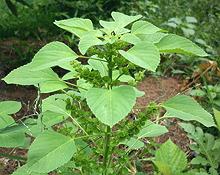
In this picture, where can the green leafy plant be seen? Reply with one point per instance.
(187, 25)
(206, 147)
(209, 93)
(93, 101)
(12, 6)
(170, 159)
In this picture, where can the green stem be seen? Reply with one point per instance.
(71, 84)
(81, 56)
(106, 150)
(87, 136)
(108, 128)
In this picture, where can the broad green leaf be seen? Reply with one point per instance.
(51, 55)
(70, 75)
(152, 38)
(188, 127)
(101, 66)
(9, 107)
(48, 119)
(170, 157)
(55, 103)
(83, 87)
(217, 117)
(24, 171)
(5, 120)
(133, 143)
(51, 118)
(10, 138)
(138, 92)
(52, 86)
(47, 148)
(111, 105)
(25, 76)
(176, 44)
(130, 38)
(77, 26)
(120, 21)
(88, 40)
(152, 130)
(186, 108)
(126, 78)
(68, 66)
(36, 128)
(13, 127)
(144, 27)
(110, 26)
(122, 78)
(123, 20)
(144, 54)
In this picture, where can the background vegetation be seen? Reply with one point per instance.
(27, 25)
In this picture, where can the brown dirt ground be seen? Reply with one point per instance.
(156, 89)
(159, 90)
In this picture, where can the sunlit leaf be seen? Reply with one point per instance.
(51, 55)
(176, 44)
(170, 158)
(130, 38)
(46, 148)
(25, 76)
(120, 21)
(144, 27)
(77, 26)
(101, 66)
(52, 86)
(133, 143)
(186, 108)
(88, 40)
(152, 130)
(144, 54)
(24, 171)
(123, 20)
(9, 107)
(111, 105)
(153, 38)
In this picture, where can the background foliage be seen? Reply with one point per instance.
(30, 23)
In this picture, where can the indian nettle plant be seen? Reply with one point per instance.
(84, 127)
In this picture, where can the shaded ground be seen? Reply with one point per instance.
(156, 89)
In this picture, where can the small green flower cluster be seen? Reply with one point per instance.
(81, 112)
(90, 76)
(129, 128)
(118, 62)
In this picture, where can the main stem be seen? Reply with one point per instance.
(106, 149)
(108, 128)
